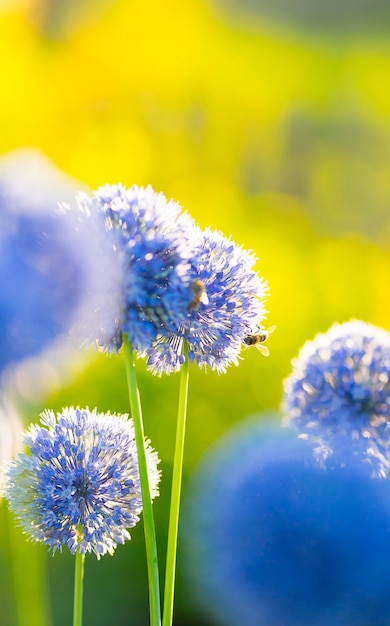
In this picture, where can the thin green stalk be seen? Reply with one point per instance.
(78, 589)
(149, 528)
(170, 568)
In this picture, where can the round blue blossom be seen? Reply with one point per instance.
(338, 395)
(79, 485)
(43, 277)
(149, 240)
(227, 305)
(270, 538)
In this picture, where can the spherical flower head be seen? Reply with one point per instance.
(227, 305)
(270, 538)
(338, 395)
(149, 238)
(79, 485)
(42, 277)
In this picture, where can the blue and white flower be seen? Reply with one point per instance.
(79, 485)
(149, 241)
(217, 320)
(338, 395)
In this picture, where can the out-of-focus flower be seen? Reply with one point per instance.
(219, 318)
(148, 238)
(10, 430)
(33, 180)
(270, 538)
(43, 278)
(338, 395)
(79, 484)
(10, 436)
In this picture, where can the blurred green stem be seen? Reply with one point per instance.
(170, 568)
(149, 528)
(29, 573)
(78, 589)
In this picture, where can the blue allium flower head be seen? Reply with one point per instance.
(79, 485)
(219, 318)
(149, 239)
(338, 395)
(42, 277)
(270, 538)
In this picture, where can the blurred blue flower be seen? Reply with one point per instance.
(42, 277)
(79, 484)
(148, 239)
(338, 395)
(228, 309)
(270, 538)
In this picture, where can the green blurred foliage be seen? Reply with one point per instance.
(274, 136)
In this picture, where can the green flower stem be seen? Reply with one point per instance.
(78, 589)
(170, 569)
(28, 565)
(149, 528)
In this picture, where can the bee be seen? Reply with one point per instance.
(259, 338)
(200, 294)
